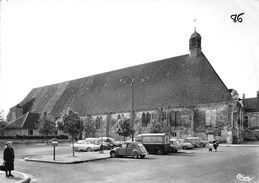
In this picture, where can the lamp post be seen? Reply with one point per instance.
(131, 81)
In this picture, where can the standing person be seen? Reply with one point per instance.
(210, 146)
(215, 145)
(9, 159)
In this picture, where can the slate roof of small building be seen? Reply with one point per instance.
(26, 121)
(250, 105)
(176, 81)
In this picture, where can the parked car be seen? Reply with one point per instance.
(134, 149)
(110, 143)
(93, 140)
(196, 141)
(185, 144)
(175, 145)
(83, 145)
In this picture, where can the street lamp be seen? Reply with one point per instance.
(131, 80)
(124, 79)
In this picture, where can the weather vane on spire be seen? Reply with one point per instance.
(194, 22)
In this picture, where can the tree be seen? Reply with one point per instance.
(123, 127)
(158, 127)
(71, 123)
(89, 126)
(2, 123)
(46, 125)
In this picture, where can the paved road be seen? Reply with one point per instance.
(187, 166)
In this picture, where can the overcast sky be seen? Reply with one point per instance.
(49, 41)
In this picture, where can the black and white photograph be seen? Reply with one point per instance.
(123, 91)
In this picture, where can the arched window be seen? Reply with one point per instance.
(148, 118)
(208, 118)
(98, 122)
(143, 119)
(213, 117)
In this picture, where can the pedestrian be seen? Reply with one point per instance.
(215, 145)
(9, 159)
(209, 145)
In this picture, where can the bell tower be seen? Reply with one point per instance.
(195, 44)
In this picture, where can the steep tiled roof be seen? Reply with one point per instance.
(26, 121)
(181, 80)
(250, 105)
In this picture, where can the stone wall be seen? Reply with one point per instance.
(213, 120)
(221, 121)
(15, 113)
(253, 119)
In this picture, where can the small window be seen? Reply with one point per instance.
(30, 132)
(130, 146)
(123, 146)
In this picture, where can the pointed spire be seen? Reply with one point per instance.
(194, 22)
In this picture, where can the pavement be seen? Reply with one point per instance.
(79, 157)
(243, 144)
(18, 177)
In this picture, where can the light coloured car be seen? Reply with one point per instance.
(185, 144)
(110, 143)
(83, 145)
(175, 145)
(196, 141)
(93, 140)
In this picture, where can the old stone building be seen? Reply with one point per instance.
(251, 106)
(185, 91)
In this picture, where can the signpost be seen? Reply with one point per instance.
(54, 143)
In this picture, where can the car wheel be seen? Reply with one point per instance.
(76, 149)
(142, 156)
(135, 156)
(88, 149)
(113, 155)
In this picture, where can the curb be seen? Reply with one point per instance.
(61, 162)
(238, 145)
(25, 179)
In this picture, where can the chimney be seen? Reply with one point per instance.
(257, 101)
(244, 96)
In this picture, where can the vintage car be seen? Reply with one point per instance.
(175, 145)
(185, 144)
(134, 149)
(196, 141)
(83, 145)
(93, 140)
(110, 143)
